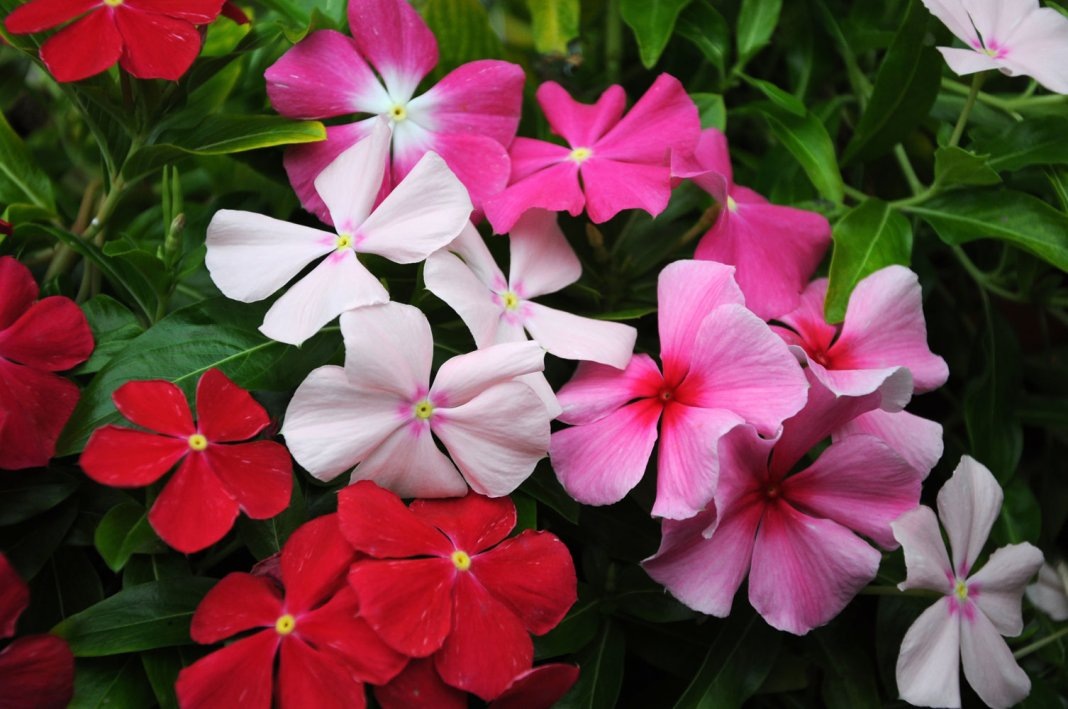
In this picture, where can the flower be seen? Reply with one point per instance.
(37, 338)
(967, 623)
(380, 410)
(1050, 592)
(722, 366)
(217, 476)
(774, 249)
(313, 625)
(149, 39)
(441, 580)
(37, 671)
(6, 229)
(624, 161)
(420, 685)
(251, 256)
(916, 439)
(1013, 36)
(468, 118)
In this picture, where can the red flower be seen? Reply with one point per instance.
(151, 39)
(5, 227)
(436, 587)
(420, 686)
(199, 504)
(235, 13)
(36, 672)
(326, 650)
(36, 339)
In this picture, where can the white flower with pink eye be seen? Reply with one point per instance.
(965, 626)
(1050, 592)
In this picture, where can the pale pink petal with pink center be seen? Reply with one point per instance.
(805, 570)
(479, 162)
(612, 186)
(893, 385)
(466, 376)
(388, 348)
(555, 188)
(450, 279)
(1038, 47)
(954, 15)
(599, 463)
(581, 124)
(471, 247)
(349, 185)
(243, 243)
(303, 163)
(409, 463)
(597, 390)
(1001, 582)
(324, 76)
(663, 119)
(1050, 593)
(996, 20)
(925, 553)
(497, 437)
(709, 166)
(967, 61)
(928, 666)
(916, 439)
(544, 390)
(989, 665)
(688, 458)
(968, 504)
(541, 259)
(573, 337)
(392, 36)
(331, 425)
(482, 98)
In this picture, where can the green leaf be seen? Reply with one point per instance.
(123, 532)
(782, 99)
(1036, 141)
(111, 682)
(602, 672)
(736, 665)
(31, 544)
(20, 178)
(1013, 217)
(628, 314)
(848, 670)
(702, 24)
(994, 432)
(113, 327)
(955, 167)
(1020, 519)
(575, 631)
(265, 537)
(24, 494)
(162, 668)
(807, 140)
(756, 23)
(869, 237)
(652, 22)
(555, 23)
(546, 489)
(144, 617)
(463, 31)
(712, 110)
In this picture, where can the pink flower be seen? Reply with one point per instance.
(469, 117)
(251, 256)
(916, 439)
(380, 410)
(795, 536)
(722, 366)
(624, 161)
(775, 250)
(1013, 36)
(967, 623)
(1050, 593)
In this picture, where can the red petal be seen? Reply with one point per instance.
(52, 335)
(488, 646)
(14, 597)
(45, 14)
(198, 12)
(225, 411)
(473, 523)
(239, 602)
(18, 290)
(408, 603)
(156, 405)
(239, 675)
(313, 679)
(156, 46)
(36, 672)
(533, 575)
(83, 48)
(259, 475)
(34, 408)
(539, 688)
(123, 457)
(420, 686)
(314, 562)
(376, 522)
(194, 510)
(235, 13)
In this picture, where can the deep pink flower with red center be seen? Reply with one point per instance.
(151, 39)
(36, 672)
(37, 339)
(441, 580)
(420, 686)
(325, 650)
(218, 475)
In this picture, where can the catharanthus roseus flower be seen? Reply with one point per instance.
(623, 161)
(439, 579)
(1013, 36)
(313, 625)
(251, 256)
(151, 39)
(1050, 592)
(381, 412)
(37, 339)
(235, 13)
(37, 671)
(420, 686)
(977, 608)
(468, 118)
(722, 366)
(5, 228)
(218, 475)
(916, 439)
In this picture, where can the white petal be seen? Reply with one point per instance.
(465, 376)
(541, 259)
(540, 385)
(967, 61)
(968, 504)
(925, 553)
(573, 337)
(1050, 594)
(989, 665)
(410, 464)
(388, 348)
(1001, 582)
(450, 279)
(928, 666)
(348, 186)
(471, 247)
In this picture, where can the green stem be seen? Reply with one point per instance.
(984, 281)
(876, 590)
(969, 103)
(613, 42)
(855, 193)
(1038, 644)
(906, 167)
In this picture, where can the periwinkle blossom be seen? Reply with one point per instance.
(250, 256)
(469, 118)
(1049, 593)
(977, 607)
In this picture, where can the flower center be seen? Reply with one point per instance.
(423, 410)
(198, 442)
(960, 590)
(732, 206)
(344, 241)
(510, 300)
(665, 395)
(461, 560)
(772, 491)
(580, 155)
(285, 625)
(113, 3)
(398, 113)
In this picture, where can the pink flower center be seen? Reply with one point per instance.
(772, 491)
(666, 394)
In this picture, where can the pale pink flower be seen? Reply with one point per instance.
(795, 536)
(722, 366)
(381, 414)
(468, 118)
(967, 623)
(1012, 36)
(623, 161)
(774, 249)
(250, 256)
(1050, 592)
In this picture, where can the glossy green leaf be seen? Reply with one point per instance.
(113, 327)
(994, 432)
(848, 670)
(21, 179)
(555, 23)
(602, 672)
(1020, 519)
(783, 99)
(25, 493)
(123, 532)
(711, 109)
(1036, 141)
(265, 537)
(111, 682)
(463, 30)
(958, 167)
(756, 23)
(575, 631)
(808, 141)
(702, 24)
(652, 22)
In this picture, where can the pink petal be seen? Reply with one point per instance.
(315, 560)
(376, 522)
(239, 602)
(389, 348)
(596, 390)
(925, 552)
(309, 676)
(917, 440)
(482, 98)
(531, 156)
(304, 162)
(968, 504)
(928, 666)
(709, 166)
(688, 460)
(473, 522)
(581, 124)
(989, 665)
(1036, 46)
(663, 119)
(239, 674)
(194, 510)
(392, 36)
(348, 185)
(462, 378)
(810, 329)
(1001, 583)
(996, 20)
(573, 337)
(1048, 594)
(541, 387)
(541, 259)
(451, 279)
(612, 186)
(410, 464)
(226, 412)
(555, 187)
(479, 162)
(471, 247)
(892, 385)
(954, 15)
(967, 61)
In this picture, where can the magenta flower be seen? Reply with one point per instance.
(722, 367)
(774, 249)
(1014, 36)
(468, 118)
(624, 161)
(967, 623)
(378, 412)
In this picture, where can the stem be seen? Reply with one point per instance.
(1038, 644)
(63, 257)
(855, 193)
(875, 590)
(983, 279)
(906, 167)
(708, 218)
(969, 103)
(613, 42)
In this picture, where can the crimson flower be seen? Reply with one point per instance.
(215, 479)
(419, 685)
(326, 650)
(442, 581)
(6, 229)
(36, 340)
(151, 39)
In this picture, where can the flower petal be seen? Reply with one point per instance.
(688, 459)
(349, 185)
(388, 348)
(1048, 594)
(239, 602)
(123, 457)
(542, 261)
(313, 677)
(480, 163)
(377, 523)
(225, 411)
(686, 292)
(473, 523)
(989, 665)
(258, 474)
(916, 439)
(37, 671)
(419, 685)
(967, 61)
(156, 46)
(157, 405)
(538, 688)
(84, 48)
(237, 675)
(709, 166)
(34, 408)
(399, 45)
(1001, 582)
(574, 337)
(1038, 47)
(194, 510)
(810, 329)
(597, 390)
(52, 335)
(304, 162)
(463, 377)
(198, 12)
(968, 504)
(482, 97)
(581, 124)
(14, 597)
(553, 186)
(954, 15)
(410, 464)
(663, 119)
(928, 666)
(18, 290)
(925, 552)
(40, 15)
(612, 186)
(451, 279)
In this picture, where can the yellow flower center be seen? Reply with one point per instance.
(344, 241)
(961, 590)
(461, 560)
(510, 300)
(113, 3)
(398, 113)
(285, 625)
(197, 442)
(580, 154)
(731, 204)
(423, 410)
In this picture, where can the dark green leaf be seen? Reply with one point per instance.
(21, 180)
(575, 631)
(555, 23)
(807, 139)
(24, 494)
(848, 670)
(955, 166)
(702, 24)
(1021, 517)
(162, 668)
(67, 584)
(113, 327)
(30, 544)
(145, 568)
(546, 489)
(711, 109)
(652, 22)
(756, 23)
(111, 682)
(265, 537)
(782, 99)
(990, 400)
(123, 532)
(463, 30)
(1037, 141)
(602, 672)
